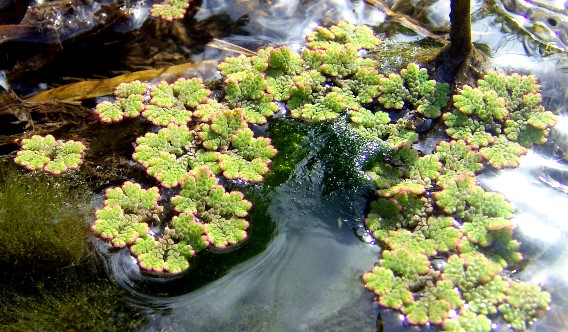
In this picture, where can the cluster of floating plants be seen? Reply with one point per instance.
(448, 246)
(198, 139)
(170, 9)
(47, 154)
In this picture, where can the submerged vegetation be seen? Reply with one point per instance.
(48, 271)
(43, 220)
(448, 245)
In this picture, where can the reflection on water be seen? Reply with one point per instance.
(287, 22)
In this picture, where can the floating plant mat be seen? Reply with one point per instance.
(192, 251)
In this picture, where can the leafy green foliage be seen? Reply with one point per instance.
(200, 192)
(129, 102)
(434, 307)
(225, 232)
(164, 107)
(503, 153)
(503, 116)
(240, 67)
(208, 215)
(242, 155)
(426, 310)
(236, 167)
(384, 216)
(120, 228)
(415, 242)
(323, 108)
(250, 94)
(343, 33)
(217, 135)
(126, 213)
(132, 198)
(468, 321)
(50, 155)
(191, 92)
(440, 231)
(207, 111)
(283, 66)
(219, 211)
(443, 232)
(165, 153)
(170, 10)
(528, 122)
(163, 254)
(463, 127)
(458, 159)
(523, 304)
(483, 298)
(412, 87)
(470, 270)
(380, 280)
(405, 263)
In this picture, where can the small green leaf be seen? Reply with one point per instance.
(189, 231)
(380, 280)
(503, 153)
(132, 198)
(468, 321)
(236, 167)
(170, 10)
(190, 92)
(224, 232)
(50, 155)
(109, 112)
(120, 228)
(405, 263)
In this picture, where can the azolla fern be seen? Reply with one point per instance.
(207, 216)
(448, 244)
(430, 208)
(170, 9)
(47, 154)
(198, 139)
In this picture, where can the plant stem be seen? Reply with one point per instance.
(460, 30)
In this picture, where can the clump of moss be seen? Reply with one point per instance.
(43, 220)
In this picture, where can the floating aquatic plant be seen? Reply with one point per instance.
(208, 215)
(523, 304)
(220, 212)
(50, 155)
(458, 158)
(429, 207)
(251, 96)
(413, 87)
(161, 104)
(241, 156)
(502, 117)
(342, 33)
(126, 214)
(170, 9)
(164, 254)
(129, 102)
(468, 321)
(165, 154)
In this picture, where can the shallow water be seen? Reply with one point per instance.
(301, 268)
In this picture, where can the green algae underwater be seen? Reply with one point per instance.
(51, 278)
